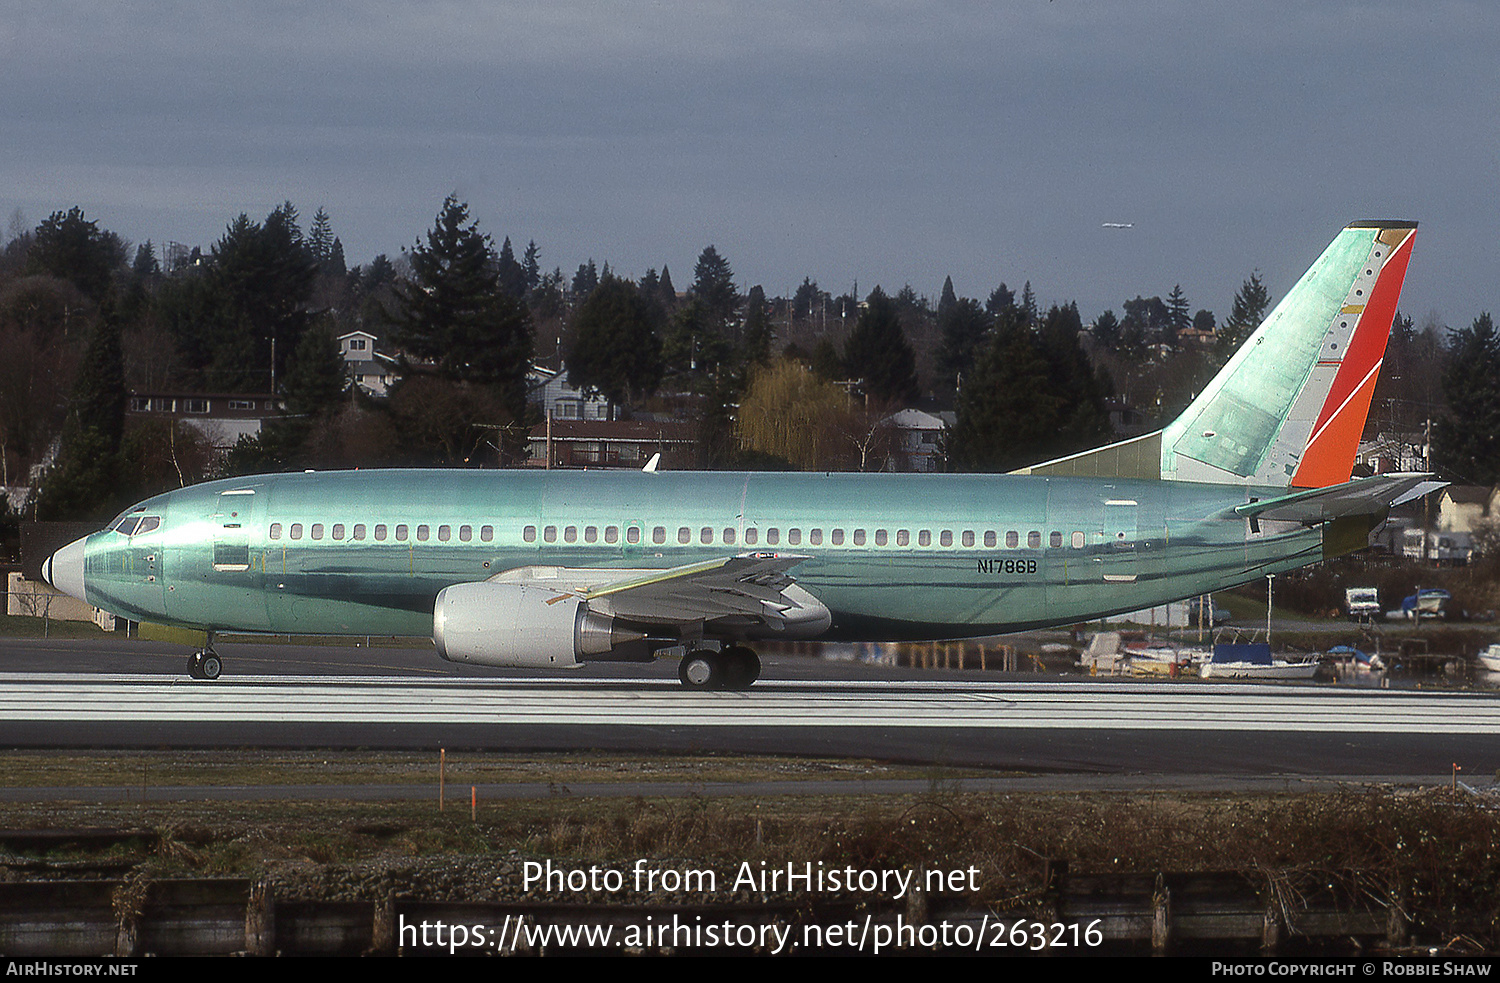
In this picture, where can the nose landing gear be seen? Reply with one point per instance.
(205, 663)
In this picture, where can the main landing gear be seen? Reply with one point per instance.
(733, 668)
(205, 663)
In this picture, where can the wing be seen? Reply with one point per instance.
(747, 590)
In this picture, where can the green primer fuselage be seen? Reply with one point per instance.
(916, 556)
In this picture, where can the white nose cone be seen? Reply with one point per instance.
(65, 569)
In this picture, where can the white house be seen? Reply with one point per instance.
(371, 371)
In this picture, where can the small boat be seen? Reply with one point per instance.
(1489, 658)
(1427, 602)
(1253, 660)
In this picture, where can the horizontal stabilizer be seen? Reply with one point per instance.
(1362, 496)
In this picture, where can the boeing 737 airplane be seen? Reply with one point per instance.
(552, 568)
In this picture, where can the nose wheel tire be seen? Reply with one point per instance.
(205, 665)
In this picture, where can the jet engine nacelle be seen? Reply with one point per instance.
(520, 625)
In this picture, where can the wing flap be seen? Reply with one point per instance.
(750, 586)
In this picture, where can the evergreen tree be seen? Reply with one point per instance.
(1082, 420)
(1178, 318)
(615, 350)
(1245, 314)
(1466, 443)
(1006, 412)
(71, 247)
(84, 483)
(877, 353)
(713, 286)
(667, 292)
(531, 266)
(584, 281)
(756, 349)
(1001, 299)
(1107, 331)
(803, 300)
(320, 238)
(453, 322)
(963, 325)
(512, 275)
(948, 299)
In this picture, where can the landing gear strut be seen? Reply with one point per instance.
(734, 668)
(205, 663)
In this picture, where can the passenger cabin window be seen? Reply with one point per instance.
(401, 533)
(684, 535)
(880, 537)
(611, 534)
(423, 532)
(968, 537)
(773, 536)
(924, 538)
(815, 537)
(989, 537)
(570, 534)
(445, 533)
(1012, 540)
(837, 537)
(632, 534)
(706, 536)
(659, 535)
(465, 534)
(359, 531)
(903, 538)
(275, 530)
(729, 536)
(859, 537)
(1033, 540)
(296, 530)
(591, 534)
(549, 533)
(1078, 540)
(529, 534)
(380, 532)
(317, 530)
(945, 538)
(1055, 540)
(486, 534)
(752, 536)
(338, 530)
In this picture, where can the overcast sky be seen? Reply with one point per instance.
(886, 143)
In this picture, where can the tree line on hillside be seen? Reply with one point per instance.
(805, 381)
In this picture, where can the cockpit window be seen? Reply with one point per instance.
(126, 523)
(149, 523)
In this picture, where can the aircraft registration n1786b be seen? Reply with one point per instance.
(553, 568)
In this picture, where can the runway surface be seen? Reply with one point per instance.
(306, 696)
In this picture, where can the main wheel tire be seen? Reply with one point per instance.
(741, 667)
(700, 670)
(211, 667)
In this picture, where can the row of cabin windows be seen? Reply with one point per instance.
(728, 536)
(794, 537)
(382, 532)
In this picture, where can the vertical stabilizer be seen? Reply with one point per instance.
(1289, 407)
